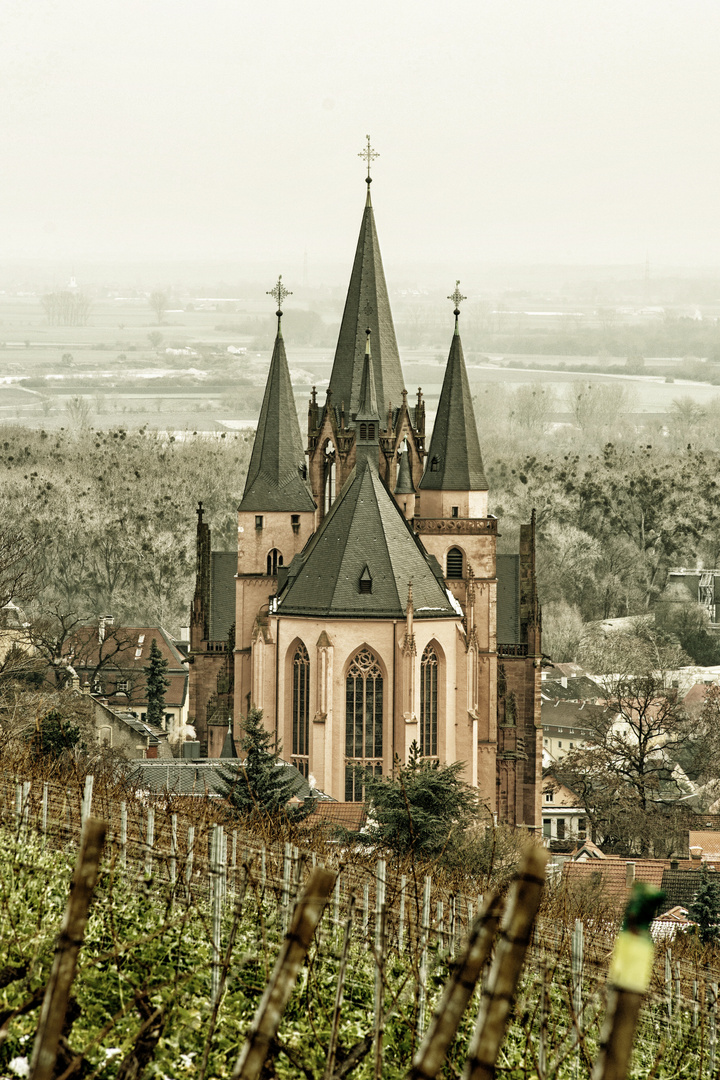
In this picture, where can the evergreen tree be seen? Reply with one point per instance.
(422, 809)
(156, 685)
(260, 785)
(705, 908)
(54, 736)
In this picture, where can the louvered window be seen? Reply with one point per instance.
(454, 563)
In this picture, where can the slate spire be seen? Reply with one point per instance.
(367, 427)
(276, 475)
(367, 305)
(454, 460)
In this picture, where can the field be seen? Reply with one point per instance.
(190, 381)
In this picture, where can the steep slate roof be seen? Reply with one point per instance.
(274, 480)
(367, 305)
(365, 527)
(198, 776)
(454, 441)
(223, 567)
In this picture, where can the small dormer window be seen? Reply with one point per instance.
(365, 581)
(434, 465)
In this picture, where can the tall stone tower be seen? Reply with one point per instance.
(451, 517)
(276, 517)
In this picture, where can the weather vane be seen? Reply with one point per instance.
(369, 155)
(457, 298)
(279, 293)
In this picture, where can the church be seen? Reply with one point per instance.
(366, 607)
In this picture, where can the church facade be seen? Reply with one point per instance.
(366, 607)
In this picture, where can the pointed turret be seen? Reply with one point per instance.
(404, 484)
(367, 304)
(454, 461)
(276, 475)
(367, 428)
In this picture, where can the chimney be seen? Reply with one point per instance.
(191, 750)
(629, 874)
(674, 864)
(696, 853)
(563, 682)
(103, 622)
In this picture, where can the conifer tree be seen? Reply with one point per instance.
(705, 908)
(422, 809)
(156, 685)
(260, 786)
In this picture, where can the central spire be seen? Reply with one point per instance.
(367, 305)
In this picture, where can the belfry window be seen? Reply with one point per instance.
(454, 563)
(301, 710)
(429, 703)
(363, 722)
(274, 560)
(371, 431)
(363, 431)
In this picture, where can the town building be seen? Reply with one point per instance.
(366, 608)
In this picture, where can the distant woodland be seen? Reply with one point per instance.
(111, 515)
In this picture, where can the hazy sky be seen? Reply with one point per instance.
(512, 131)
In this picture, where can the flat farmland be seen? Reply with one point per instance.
(205, 370)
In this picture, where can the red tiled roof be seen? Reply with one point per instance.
(610, 875)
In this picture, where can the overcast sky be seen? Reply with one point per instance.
(514, 131)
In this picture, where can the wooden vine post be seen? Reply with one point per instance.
(54, 1008)
(306, 916)
(513, 941)
(456, 995)
(628, 978)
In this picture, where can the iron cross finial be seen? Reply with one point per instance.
(457, 297)
(279, 293)
(369, 155)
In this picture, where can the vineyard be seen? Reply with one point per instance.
(187, 937)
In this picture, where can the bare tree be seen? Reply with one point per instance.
(158, 301)
(79, 411)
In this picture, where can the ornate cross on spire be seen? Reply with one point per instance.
(369, 154)
(457, 298)
(278, 294)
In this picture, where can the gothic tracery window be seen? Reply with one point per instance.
(301, 710)
(429, 703)
(363, 722)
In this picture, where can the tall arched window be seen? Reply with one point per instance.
(274, 560)
(429, 703)
(301, 710)
(330, 475)
(454, 563)
(363, 722)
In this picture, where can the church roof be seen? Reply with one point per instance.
(367, 405)
(275, 475)
(364, 529)
(367, 305)
(454, 461)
